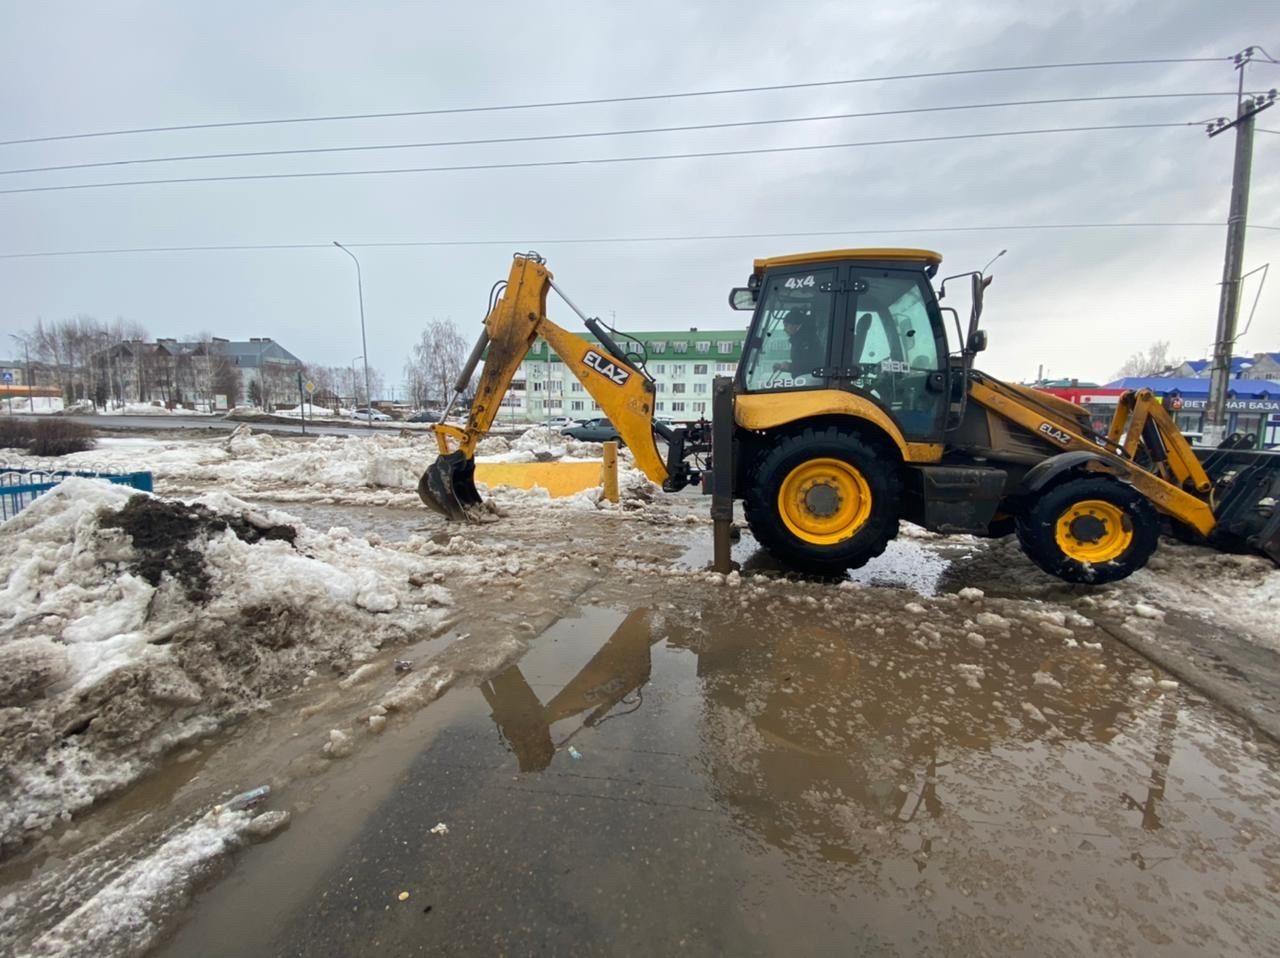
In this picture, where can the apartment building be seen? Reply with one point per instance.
(682, 364)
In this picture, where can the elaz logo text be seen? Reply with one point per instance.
(610, 370)
(1053, 432)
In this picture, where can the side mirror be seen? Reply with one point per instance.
(741, 298)
(977, 341)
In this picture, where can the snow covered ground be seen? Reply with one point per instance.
(132, 628)
(131, 624)
(38, 405)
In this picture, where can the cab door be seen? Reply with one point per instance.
(893, 349)
(792, 343)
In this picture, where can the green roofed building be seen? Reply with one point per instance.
(682, 365)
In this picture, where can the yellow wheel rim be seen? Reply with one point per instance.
(824, 501)
(1093, 531)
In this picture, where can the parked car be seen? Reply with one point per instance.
(422, 415)
(560, 422)
(364, 415)
(593, 430)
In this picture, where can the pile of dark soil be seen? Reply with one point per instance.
(162, 531)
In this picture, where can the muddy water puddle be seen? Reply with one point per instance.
(753, 774)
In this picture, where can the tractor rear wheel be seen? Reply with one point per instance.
(823, 501)
(1091, 530)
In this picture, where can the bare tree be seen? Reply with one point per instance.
(1152, 362)
(437, 359)
(78, 352)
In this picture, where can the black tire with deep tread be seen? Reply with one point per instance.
(1037, 522)
(772, 465)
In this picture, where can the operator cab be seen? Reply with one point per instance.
(864, 321)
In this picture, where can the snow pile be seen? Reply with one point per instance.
(37, 405)
(130, 624)
(248, 462)
(537, 444)
(130, 912)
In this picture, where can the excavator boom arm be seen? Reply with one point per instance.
(518, 318)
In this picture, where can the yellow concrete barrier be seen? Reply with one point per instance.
(558, 478)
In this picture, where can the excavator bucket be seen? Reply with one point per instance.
(1246, 497)
(449, 486)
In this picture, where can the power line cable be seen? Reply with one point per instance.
(536, 138)
(592, 161)
(551, 241)
(646, 97)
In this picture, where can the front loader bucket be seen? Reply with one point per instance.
(449, 486)
(1246, 499)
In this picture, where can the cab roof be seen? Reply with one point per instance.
(925, 256)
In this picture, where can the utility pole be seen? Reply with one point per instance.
(1215, 418)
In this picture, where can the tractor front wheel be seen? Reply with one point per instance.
(823, 501)
(1091, 530)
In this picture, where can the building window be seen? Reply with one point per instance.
(662, 407)
(699, 387)
(536, 348)
(575, 405)
(680, 346)
(726, 367)
(660, 369)
(555, 386)
(679, 368)
(658, 347)
(677, 387)
(661, 387)
(699, 369)
(700, 407)
(595, 406)
(537, 386)
(703, 345)
(724, 346)
(575, 387)
(677, 407)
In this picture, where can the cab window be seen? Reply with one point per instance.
(788, 345)
(892, 352)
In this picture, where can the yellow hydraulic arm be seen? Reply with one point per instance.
(1174, 480)
(625, 394)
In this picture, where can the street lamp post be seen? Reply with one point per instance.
(368, 396)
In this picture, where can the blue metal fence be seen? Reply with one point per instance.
(18, 487)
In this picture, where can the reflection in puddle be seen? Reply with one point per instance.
(813, 732)
(620, 667)
(905, 564)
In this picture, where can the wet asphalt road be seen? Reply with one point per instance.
(789, 769)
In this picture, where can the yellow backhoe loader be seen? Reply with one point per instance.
(849, 413)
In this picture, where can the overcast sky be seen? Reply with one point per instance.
(1077, 301)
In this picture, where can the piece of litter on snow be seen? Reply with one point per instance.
(440, 829)
(245, 799)
(403, 665)
(1167, 684)
(574, 753)
(403, 896)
